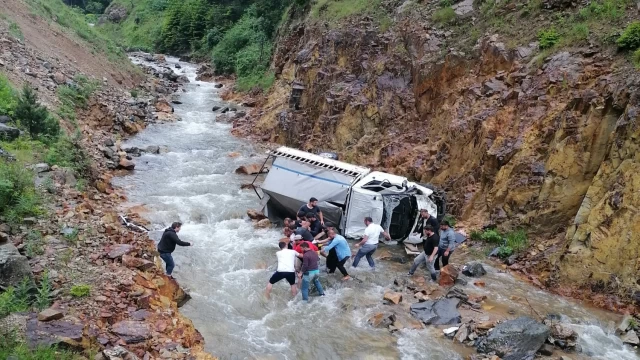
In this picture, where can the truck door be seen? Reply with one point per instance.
(362, 203)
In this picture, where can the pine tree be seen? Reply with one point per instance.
(35, 117)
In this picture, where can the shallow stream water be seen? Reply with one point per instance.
(228, 267)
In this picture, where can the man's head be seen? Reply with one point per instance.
(176, 226)
(297, 238)
(313, 202)
(302, 215)
(429, 230)
(331, 233)
(424, 213)
(304, 246)
(368, 220)
(282, 245)
(287, 222)
(305, 224)
(311, 217)
(445, 224)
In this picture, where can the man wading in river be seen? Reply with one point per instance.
(168, 244)
(369, 242)
(286, 269)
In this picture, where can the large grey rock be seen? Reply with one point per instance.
(14, 268)
(5, 119)
(439, 312)
(8, 133)
(132, 331)
(64, 333)
(517, 339)
(474, 269)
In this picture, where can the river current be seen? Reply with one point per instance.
(230, 263)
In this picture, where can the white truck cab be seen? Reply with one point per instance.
(347, 193)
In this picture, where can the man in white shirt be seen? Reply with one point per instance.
(286, 269)
(369, 242)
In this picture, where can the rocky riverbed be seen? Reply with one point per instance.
(194, 181)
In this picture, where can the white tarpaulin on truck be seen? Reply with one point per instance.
(302, 181)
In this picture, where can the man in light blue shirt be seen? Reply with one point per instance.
(447, 244)
(342, 250)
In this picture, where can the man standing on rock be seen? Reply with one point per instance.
(312, 207)
(447, 244)
(369, 243)
(428, 256)
(168, 244)
(285, 270)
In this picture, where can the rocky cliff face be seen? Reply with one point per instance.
(516, 137)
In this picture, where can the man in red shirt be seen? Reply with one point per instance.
(297, 245)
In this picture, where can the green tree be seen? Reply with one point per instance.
(33, 116)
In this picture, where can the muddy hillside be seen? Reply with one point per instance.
(524, 127)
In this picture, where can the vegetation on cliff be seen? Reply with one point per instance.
(236, 36)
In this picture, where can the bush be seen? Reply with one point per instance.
(8, 97)
(475, 235)
(450, 219)
(504, 251)
(15, 299)
(603, 10)
(491, 236)
(630, 38)
(134, 93)
(636, 58)
(579, 32)
(444, 15)
(548, 38)
(33, 116)
(43, 292)
(80, 290)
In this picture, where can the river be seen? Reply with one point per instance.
(228, 267)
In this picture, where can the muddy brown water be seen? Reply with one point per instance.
(228, 267)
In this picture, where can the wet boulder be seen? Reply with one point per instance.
(126, 164)
(393, 297)
(474, 269)
(518, 339)
(448, 276)
(14, 268)
(8, 133)
(252, 169)
(381, 320)
(255, 214)
(438, 312)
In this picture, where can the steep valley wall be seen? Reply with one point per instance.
(548, 142)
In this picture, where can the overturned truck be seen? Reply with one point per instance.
(346, 193)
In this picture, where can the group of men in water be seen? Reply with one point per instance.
(307, 236)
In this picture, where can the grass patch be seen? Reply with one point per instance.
(75, 95)
(80, 290)
(517, 240)
(611, 10)
(74, 19)
(34, 244)
(444, 16)
(72, 236)
(17, 192)
(336, 10)
(15, 31)
(262, 81)
(15, 299)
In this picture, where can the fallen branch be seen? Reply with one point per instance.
(540, 318)
(133, 226)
